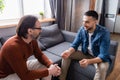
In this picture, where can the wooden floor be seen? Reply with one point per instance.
(115, 74)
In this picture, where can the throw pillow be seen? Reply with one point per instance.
(0, 43)
(51, 35)
(41, 45)
(3, 39)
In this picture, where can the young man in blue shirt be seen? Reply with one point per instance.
(94, 40)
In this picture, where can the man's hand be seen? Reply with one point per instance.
(54, 70)
(66, 54)
(58, 70)
(84, 62)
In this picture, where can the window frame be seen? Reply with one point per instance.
(15, 20)
(21, 8)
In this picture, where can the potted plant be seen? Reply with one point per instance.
(41, 15)
(1, 5)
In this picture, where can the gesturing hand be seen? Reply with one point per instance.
(65, 54)
(84, 62)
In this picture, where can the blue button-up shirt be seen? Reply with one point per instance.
(100, 42)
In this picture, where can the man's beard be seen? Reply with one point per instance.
(35, 37)
(89, 29)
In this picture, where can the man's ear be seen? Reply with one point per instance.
(96, 21)
(29, 31)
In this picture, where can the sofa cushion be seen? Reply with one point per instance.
(41, 45)
(69, 36)
(0, 44)
(7, 31)
(3, 39)
(51, 35)
(81, 73)
(54, 58)
(59, 48)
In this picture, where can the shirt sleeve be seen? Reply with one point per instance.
(75, 44)
(104, 46)
(42, 58)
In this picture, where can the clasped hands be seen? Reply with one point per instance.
(54, 70)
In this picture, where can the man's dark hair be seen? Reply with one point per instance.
(92, 13)
(24, 24)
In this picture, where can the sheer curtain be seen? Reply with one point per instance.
(102, 16)
(69, 13)
(78, 8)
(101, 9)
(58, 12)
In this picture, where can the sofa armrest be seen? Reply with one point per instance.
(0, 45)
(113, 52)
(113, 47)
(68, 36)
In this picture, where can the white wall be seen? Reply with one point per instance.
(98, 6)
(111, 8)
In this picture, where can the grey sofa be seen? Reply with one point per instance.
(53, 42)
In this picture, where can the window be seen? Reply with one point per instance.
(33, 6)
(10, 11)
(16, 8)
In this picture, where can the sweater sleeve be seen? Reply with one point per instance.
(42, 58)
(17, 64)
